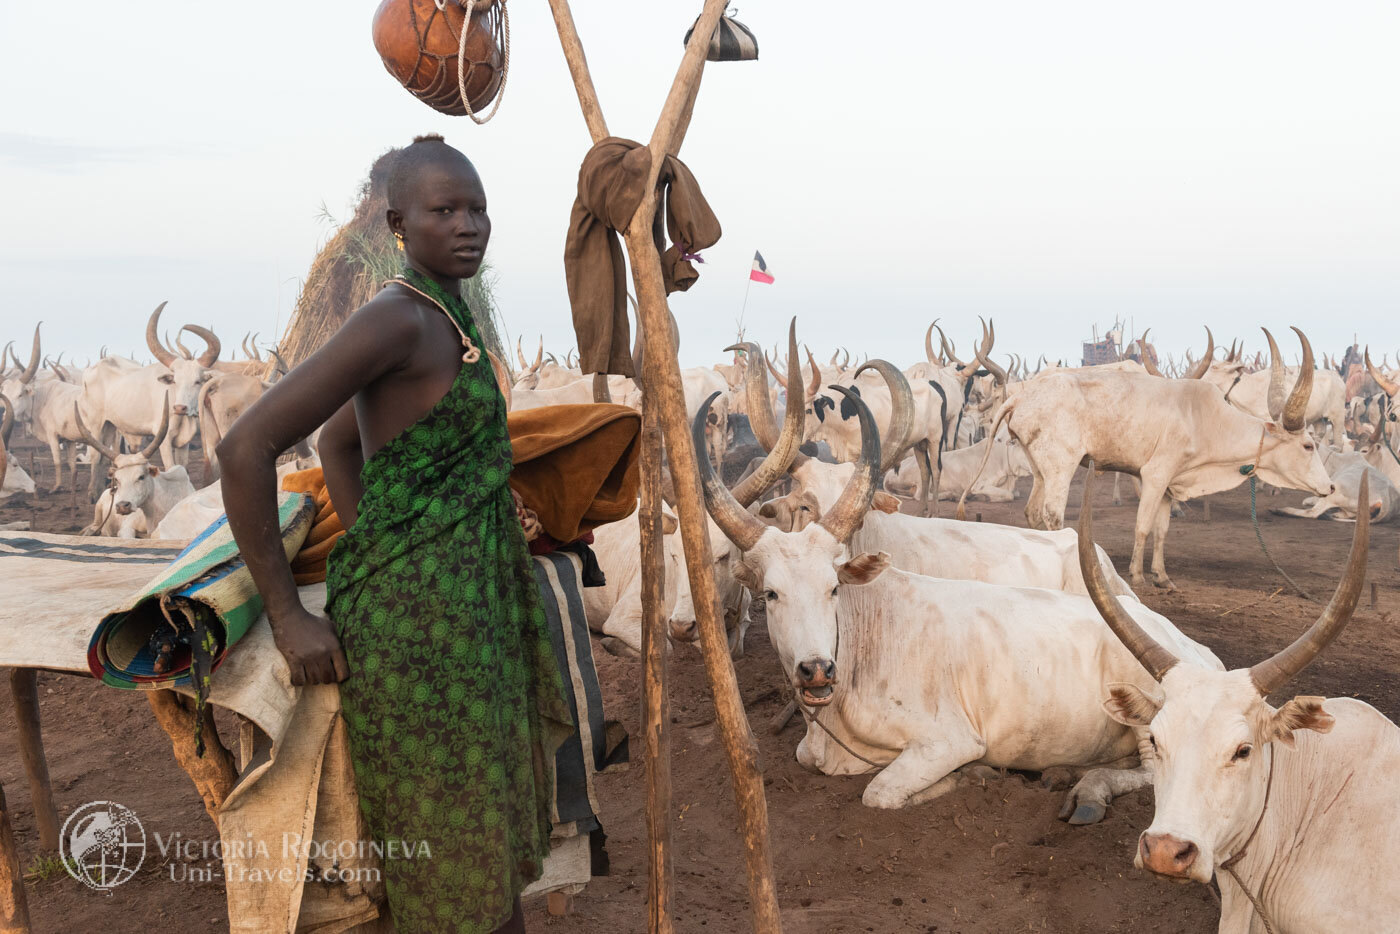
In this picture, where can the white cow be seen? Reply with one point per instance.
(615, 610)
(1346, 469)
(1249, 392)
(1296, 804)
(997, 483)
(19, 384)
(1178, 435)
(52, 422)
(922, 676)
(137, 486)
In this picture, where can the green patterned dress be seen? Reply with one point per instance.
(454, 705)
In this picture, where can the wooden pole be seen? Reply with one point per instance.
(663, 391)
(213, 775)
(24, 686)
(656, 720)
(14, 906)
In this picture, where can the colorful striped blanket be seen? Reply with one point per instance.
(179, 628)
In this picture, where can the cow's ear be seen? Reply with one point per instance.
(152, 469)
(1130, 705)
(885, 502)
(668, 524)
(1301, 713)
(862, 569)
(748, 576)
(769, 510)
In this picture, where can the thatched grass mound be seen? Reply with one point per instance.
(353, 265)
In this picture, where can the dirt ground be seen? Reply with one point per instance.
(986, 858)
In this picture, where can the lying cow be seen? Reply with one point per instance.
(1346, 469)
(137, 486)
(1296, 804)
(997, 484)
(917, 676)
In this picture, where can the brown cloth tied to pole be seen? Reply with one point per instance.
(575, 466)
(610, 188)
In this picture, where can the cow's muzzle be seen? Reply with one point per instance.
(124, 508)
(180, 409)
(683, 630)
(816, 677)
(1169, 856)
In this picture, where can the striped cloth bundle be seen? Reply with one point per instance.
(179, 627)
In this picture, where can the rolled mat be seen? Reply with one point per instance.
(205, 598)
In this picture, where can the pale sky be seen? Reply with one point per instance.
(1049, 164)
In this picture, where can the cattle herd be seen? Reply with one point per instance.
(1019, 648)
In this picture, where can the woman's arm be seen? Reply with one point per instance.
(342, 459)
(376, 340)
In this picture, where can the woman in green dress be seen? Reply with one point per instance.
(452, 699)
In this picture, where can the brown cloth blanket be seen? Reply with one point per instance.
(575, 466)
(611, 183)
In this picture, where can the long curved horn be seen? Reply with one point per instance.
(984, 354)
(816, 384)
(845, 359)
(212, 345)
(92, 441)
(1147, 363)
(948, 347)
(539, 354)
(834, 354)
(847, 512)
(162, 353)
(1149, 653)
(5, 356)
(1295, 409)
(1275, 397)
(281, 369)
(1273, 673)
(184, 351)
(552, 359)
(33, 368)
(1202, 365)
(774, 370)
(520, 354)
(1388, 387)
(7, 425)
(897, 436)
(780, 455)
(502, 375)
(150, 449)
(257, 354)
(246, 352)
(741, 527)
(761, 420)
(928, 345)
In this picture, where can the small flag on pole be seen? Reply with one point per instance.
(759, 272)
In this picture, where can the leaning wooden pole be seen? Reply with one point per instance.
(656, 725)
(664, 392)
(14, 906)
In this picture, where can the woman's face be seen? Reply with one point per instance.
(444, 223)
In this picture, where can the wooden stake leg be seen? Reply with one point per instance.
(24, 686)
(213, 775)
(656, 720)
(14, 906)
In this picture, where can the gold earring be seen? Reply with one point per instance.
(398, 240)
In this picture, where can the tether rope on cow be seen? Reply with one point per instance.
(1254, 518)
(810, 718)
(1229, 864)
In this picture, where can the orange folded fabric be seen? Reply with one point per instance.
(575, 467)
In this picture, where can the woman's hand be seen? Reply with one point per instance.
(308, 643)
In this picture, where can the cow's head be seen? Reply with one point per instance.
(1288, 455)
(1214, 732)
(183, 374)
(799, 574)
(683, 624)
(132, 476)
(19, 388)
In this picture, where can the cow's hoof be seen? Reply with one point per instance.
(615, 646)
(1163, 583)
(885, 798)
(1090, 813)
